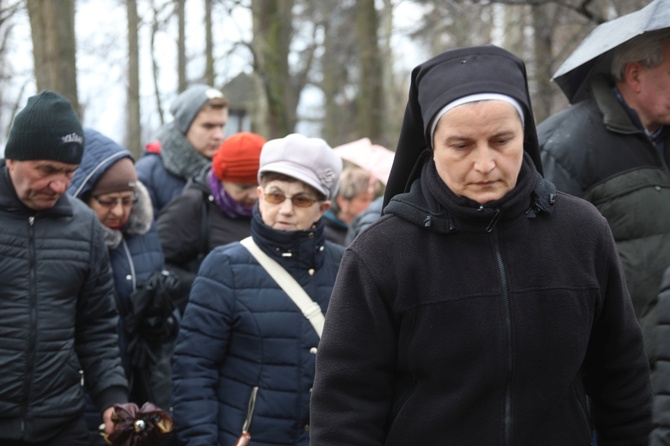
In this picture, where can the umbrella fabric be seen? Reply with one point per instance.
(372, 157)
(591, 56)
(135, 426)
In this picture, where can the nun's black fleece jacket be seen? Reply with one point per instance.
(453, 325)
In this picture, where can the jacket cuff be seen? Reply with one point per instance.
(110, 396)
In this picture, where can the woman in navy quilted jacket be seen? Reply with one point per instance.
(106, 180)
(244, 359)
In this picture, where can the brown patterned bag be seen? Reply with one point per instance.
(134, 426)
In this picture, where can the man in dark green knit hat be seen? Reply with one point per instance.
(57, 313)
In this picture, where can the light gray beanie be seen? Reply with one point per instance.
(310, 160)
(189, 102)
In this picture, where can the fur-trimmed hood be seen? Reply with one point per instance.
(139, 221)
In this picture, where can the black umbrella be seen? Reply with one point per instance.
(592, 56)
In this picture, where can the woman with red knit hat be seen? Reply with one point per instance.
(214, 208)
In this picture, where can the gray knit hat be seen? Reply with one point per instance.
(189, 102)
(46, 129)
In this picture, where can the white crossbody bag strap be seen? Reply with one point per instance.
(309, 308)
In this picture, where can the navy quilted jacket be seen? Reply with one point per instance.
(240, 331)
(138, 253)
(162, 185)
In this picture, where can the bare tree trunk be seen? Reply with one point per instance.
(54, 47)
(543, 28)
(514, 25)
(155, 26)
(7, 11)
(133, 124)
(333, 74)
(272, 26)
(370, 84)
(392, 105)
(209, 45)
(182, 83)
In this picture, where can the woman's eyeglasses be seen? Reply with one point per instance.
(112, 202)
(299, 201)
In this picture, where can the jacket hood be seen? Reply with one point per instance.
(443, 79)
(200, 181)
(100, 153)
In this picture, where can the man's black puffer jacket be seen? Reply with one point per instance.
(57, 316)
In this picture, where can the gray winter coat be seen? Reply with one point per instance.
(594, 151)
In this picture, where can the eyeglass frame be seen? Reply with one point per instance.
(116, 200)
(293, 198)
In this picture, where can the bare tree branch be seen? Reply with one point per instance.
(7, 12)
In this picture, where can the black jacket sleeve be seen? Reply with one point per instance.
(180, 230)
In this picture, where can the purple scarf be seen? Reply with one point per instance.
(225, 202)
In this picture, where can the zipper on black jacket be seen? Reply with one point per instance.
(494, 220)
(508, 326)
(32, 319)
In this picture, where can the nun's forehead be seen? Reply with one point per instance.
(474, 99)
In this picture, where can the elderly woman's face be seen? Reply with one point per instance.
(478, 150)
(113, 209)
(244, 193)
(289, 206)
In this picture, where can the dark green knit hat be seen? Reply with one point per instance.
(46, 129)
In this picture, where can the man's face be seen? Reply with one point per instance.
(351, 207)
(653, 101)
(206, 131)
(478, 150)
(39, 184)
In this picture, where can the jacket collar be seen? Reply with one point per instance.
(614, 115)
(430, 203)
(302, 250)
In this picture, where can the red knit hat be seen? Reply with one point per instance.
(237, 159)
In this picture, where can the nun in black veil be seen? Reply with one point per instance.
(483, 307)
